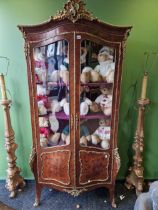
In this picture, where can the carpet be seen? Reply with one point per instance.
(54, 200)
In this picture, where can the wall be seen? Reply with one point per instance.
(142, 15)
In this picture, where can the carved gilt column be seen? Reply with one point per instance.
(14, 180)
(135, 177)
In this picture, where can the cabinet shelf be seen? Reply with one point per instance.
(89, 116)
(97, 84)
(56, 84)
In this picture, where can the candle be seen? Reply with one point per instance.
(3, 89)
(144, 85)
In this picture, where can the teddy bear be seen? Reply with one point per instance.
(65, 135)
(64, 74)
(54, 137)
(89, 75)
(105, 100)
(41, 90)
(94, 107)
(40, 75)
(84, 135)
(44, 131)
(41, 108)
(84, 102)
(84, 106)
(44, 135)
(43, 122)
(106, 66)
(102, 134)
(65, 104)
(42, 100)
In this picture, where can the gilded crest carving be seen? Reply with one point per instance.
(74, 10)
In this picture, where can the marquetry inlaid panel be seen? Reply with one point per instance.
(93, 166)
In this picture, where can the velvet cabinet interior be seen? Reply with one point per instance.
(74, 73)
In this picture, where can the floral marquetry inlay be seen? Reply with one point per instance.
(74, 10)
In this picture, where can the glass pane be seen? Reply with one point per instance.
(51, 64)
(96, 90)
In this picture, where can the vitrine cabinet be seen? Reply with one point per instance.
(74, 64)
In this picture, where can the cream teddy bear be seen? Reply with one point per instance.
(102, 134)
(90, 75)
(106, 65)
(105, 100)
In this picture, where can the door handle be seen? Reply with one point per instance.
(72, 121)
(76, 122)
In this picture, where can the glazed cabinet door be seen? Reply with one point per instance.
(95, 76)
(53, 71)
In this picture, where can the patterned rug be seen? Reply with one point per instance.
(4, 207)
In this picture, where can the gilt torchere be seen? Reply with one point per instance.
(14, 180)
(135, 177)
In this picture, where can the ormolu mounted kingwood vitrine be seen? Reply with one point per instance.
(74, 64)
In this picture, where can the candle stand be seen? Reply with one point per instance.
(135, 177)
(14, 179)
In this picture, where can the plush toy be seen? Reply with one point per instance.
(106, 65)
(102, 134)
(54, 138)
(55, 76)
(44, 135)
(54, 123)
(43, 140)
(89, 75)
(84, 106)
(84, 135)
(65, 104)
(41, 90)
(94, 107)
(43, 122)
(83, 55)
(84, 103)
(64, 73)
(105, 100)
(41, 108)
(65, 135)
(42, 102)
(85, 75)
(55, 106)
(41, 75)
